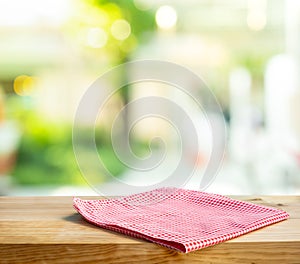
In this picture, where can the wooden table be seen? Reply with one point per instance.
(47, 229)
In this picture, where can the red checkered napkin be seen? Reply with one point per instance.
(180, 219)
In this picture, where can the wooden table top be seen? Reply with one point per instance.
(48, 229)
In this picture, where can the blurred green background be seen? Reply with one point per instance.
(51, 51)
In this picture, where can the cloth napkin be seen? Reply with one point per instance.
(179, 219)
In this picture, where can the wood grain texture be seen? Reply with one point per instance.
(48, 230)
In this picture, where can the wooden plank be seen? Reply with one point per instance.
(151, 253)
(41, 229)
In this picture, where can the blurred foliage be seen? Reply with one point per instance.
(255, 63)
(101, 14)
(46, 155)
(142, 22)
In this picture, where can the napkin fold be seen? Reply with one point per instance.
(179, 219)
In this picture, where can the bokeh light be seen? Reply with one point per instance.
(96, 37)
(166, 17)
(120, 29)
(24, 85)
(256, 18)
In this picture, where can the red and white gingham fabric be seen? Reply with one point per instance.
(180, 219)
